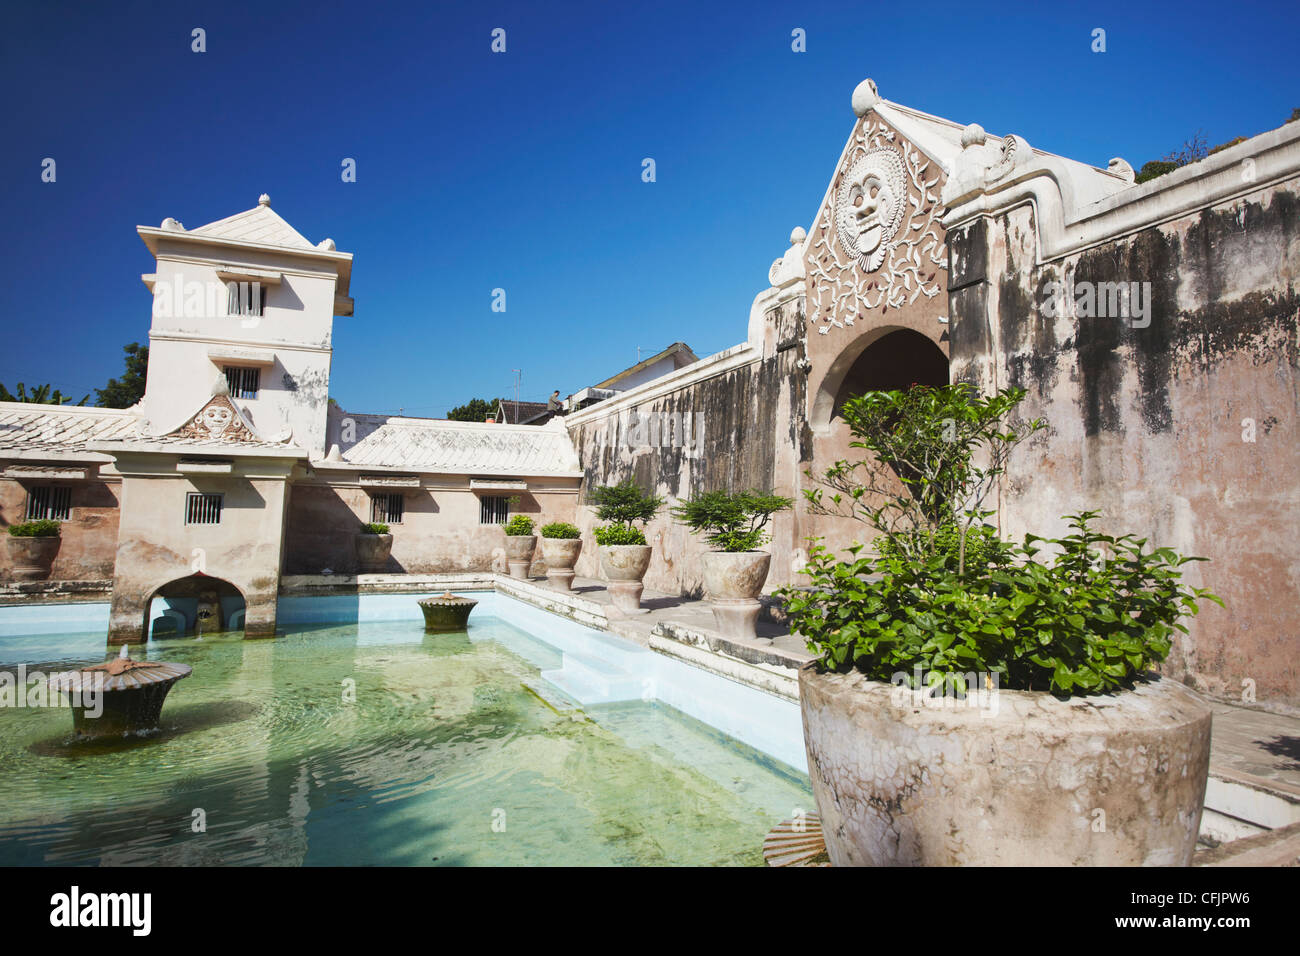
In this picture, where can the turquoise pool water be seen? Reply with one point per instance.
(371, 743)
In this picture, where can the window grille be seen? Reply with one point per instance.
(49, 502)
(243, 381)
(202, 508)
(493, 510)
(386, 509)
(245, 298)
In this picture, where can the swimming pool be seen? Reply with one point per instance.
(356, 739)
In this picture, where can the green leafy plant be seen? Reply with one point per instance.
(943, 594)
(560, 529)
(374, 527)
(39, 395)
(519, 526)
(935, 454)
(42, 528)
(623, 504)
(732, 521)
(617, 534)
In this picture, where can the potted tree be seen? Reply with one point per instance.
(624, 554)
(734, 573)
(32, 547)
(561, 543)
(373, 545)
(520, 545)
(979, 701)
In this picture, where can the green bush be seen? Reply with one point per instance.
(43, 528)
(1088, 620)
(617, 534)
(560, 529)
(944, 594)
(374, 527)
(519, 526)
(732, 521)
(625, 503)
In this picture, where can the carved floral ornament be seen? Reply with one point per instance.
(878, 242)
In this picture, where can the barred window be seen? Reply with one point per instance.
(386, 509)
(202, 508)
(245, 298)
(493, 510)
(50, 502)
(243, 381)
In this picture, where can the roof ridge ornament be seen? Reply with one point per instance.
(264, 200)
(865, 97)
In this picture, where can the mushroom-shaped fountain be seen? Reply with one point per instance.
(446, 612)
(118, 697)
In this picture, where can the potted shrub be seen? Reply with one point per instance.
(32, 547)
(624, 554)
(734, 573)
(561, 543)
(520, 545)
(978, 701)
(373, 545)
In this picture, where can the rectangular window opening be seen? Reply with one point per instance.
(243, 381)
(386, 509)
(49, 503)
(493, 510)
(202, 508)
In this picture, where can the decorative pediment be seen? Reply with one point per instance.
(217, 421)
(877, 242)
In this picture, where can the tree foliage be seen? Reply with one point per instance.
(129, 389)
(39, 395)
(475, 410)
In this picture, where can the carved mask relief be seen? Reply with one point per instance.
(877, 244)
(869, 205)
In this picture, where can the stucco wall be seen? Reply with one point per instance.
(89, 536)
(440, 528)
(1150, 426)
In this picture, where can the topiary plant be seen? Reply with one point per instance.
(732, 521)
(41, 528)
(560, 529)
(519, 526)
(617, 534)
(623, 504)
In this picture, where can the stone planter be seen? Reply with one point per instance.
(560, 555)
(733, 581)
(32, 558)
(373, 551)
(519, 554)
(1021, 779)
(624, 565)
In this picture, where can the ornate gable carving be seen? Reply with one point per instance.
(877, 242)
(217, 421)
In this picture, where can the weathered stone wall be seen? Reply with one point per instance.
(89, 536)
(752, 422)
(1179, 426)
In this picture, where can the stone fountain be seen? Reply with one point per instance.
(119, 697)
(447, 612)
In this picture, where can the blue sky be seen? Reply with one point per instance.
(522, 170)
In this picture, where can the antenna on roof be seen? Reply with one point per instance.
(519, 375)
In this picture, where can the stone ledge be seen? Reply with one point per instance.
(780, 682)
(564, 603)
(299, 585)
(759, 655)
(56, 592)
(1274, 848)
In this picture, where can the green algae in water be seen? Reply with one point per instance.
(379, 745)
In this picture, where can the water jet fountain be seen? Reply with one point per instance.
(119, 697)
(446, 612)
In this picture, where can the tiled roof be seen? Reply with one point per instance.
(526, 410)
(29, 427)
(434, 445)
(259, 224)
